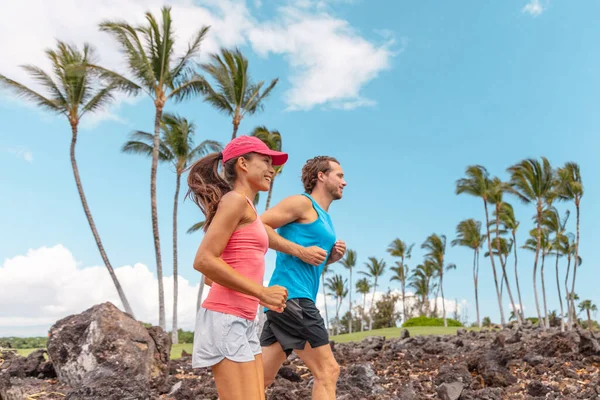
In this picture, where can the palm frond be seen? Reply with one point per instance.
(99, 101)
(31, 95)
(192, 87)
(196, 227)
(193, 48)
(255, 101)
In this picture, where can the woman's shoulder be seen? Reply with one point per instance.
(233, 201)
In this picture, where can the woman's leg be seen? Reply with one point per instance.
(239, 380)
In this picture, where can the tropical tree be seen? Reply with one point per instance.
(375, 268)
(468, 234)
(399, 248)
(551, 220)
(532, 181)
(435, 245)
(237, 95)
(570, 188)
(273, 141)
(588, 306)
(420, 280)
(326, 270)
(363, 286)
(150, 58)
(477, 184)
(510, 224)
(349, 262)
(545, 247)
(337, 286)
(496, 191)
(176, 147)
(73, 93)
(568, 250)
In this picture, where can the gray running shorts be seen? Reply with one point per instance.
(219, 335)
(300, 322)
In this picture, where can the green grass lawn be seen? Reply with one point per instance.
(395, 332)
(353, 337)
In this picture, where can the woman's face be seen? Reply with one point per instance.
(260, 172)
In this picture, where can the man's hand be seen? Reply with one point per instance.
(338, 251)
(313, 255)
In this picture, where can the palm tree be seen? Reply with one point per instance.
(363, 287)
(237, 95)
(551, 220)
(73, 93)
(149, 52)
(325, 271)
(349, 262)
(420, 280)
(477, 184)
(507, 219)
(570, 187)
(338, 287)
(533, 182)
(568, 249)
(375, 268)
(273, 141)
(545, 246)
(497, 188)
(436, 252)
(468, 234)
(588, 306)
(399, 248)
(176, 147)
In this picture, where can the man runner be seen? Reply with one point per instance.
(303, 219)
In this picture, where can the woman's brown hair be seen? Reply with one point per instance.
(207, 186)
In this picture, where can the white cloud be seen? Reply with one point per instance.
(330, 61)
(534, 7)
(46, 284)
(21, 152)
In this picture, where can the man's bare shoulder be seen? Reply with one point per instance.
(297, 201)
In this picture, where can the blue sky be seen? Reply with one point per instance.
(404, 94)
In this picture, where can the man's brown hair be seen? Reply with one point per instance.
(311, 170)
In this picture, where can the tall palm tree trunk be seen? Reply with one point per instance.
(535, 264)
(475, 273)
(443, 301)
(567, 297)
(517, 276)
(575, 266)
(350, 302)
(372, 305)
(503, 265)
(88, 215)
(270, 193)
(174, 333)
(200, 291)
(404, 313)
(325, 302)
(546, 321)
(362, 325)
(589, 319)
(236, 122)
(489, 240)
(562, 311)
(159, 271)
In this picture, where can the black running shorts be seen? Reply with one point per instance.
(300, 322)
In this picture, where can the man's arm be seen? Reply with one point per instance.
(288, 211)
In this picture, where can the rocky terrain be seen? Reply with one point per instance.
(513, 363)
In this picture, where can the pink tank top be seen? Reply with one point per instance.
(245, 252)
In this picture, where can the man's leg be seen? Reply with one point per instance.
(325, 369)
(272, 356)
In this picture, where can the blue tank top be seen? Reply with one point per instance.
(302, 279)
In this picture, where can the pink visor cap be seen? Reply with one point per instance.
(251, 144)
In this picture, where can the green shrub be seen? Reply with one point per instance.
(426, 321)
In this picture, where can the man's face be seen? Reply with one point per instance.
(334, 180)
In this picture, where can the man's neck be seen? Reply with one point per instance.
(322, 198)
